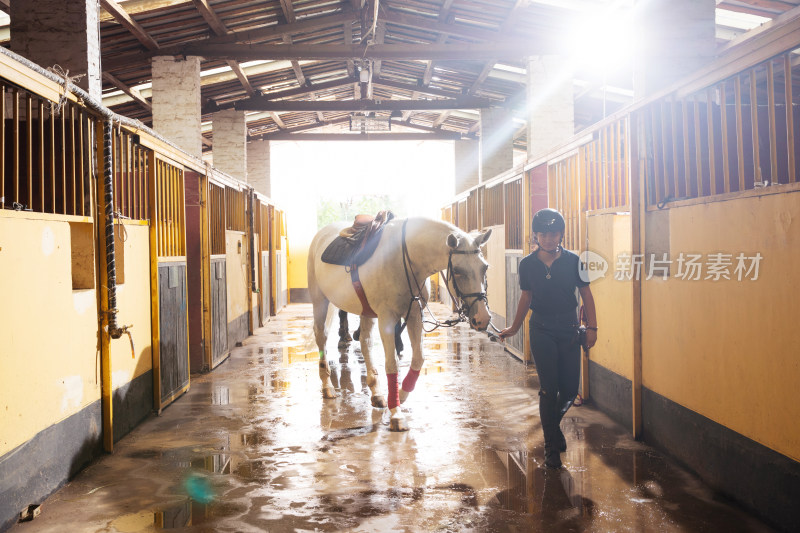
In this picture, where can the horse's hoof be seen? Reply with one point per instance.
(329, 393)
(398, 424)
(403, 396)
(379, 401)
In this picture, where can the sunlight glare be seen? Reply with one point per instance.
(604, 40)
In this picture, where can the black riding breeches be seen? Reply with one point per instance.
(557, 356)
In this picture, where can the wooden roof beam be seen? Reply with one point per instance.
(133, 93)
(210, 17)
(307, 127)
(279, 30)
(407, 114)
(444, 11)
(487, 68)
(119, 14)
(277, 120)
(309, 88)
(243, 79)
(393, 52)
(258, 104)
(380, 35)
(213, 107)
(408, 124)
(505, 28)
(320, 115)
(288, 14)
(425, 23)
(271, 32)
(216, 24)
(439, 136)
(348, 40)
(415, 88)
(441, 119)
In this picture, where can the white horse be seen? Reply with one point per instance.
(408, 253)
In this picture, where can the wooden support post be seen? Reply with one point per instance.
(638, 210)
(205, 270)
(155, 234)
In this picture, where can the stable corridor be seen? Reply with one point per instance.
(254, 447)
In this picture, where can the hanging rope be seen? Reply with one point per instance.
(66, 81)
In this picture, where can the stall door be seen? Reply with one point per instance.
(517, 342)
(174, 345)
(265, 287)
(219, 311)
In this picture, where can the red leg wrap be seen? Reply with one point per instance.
(411, 380)
(394, 392)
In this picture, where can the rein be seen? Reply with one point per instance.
(463, 309)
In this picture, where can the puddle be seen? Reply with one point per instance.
(217, 463)
(176, 516)
(220, 396)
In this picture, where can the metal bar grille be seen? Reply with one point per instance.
(170, 201)
(216, 199)
(130, 176)
(263, 215)
(44, 159)
(472, 210)
(461, 221)
(235, 209)
(742, 130)
(513, 214)
(493, 204)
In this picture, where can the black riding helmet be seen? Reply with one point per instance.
(547, 220)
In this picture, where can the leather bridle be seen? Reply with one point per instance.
(463, 309)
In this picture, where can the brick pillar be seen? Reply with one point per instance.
(55, 32)
(672, 39)
(496, 143)
(467, 163)
(229, 131)
(176, 101)
(258, 173)
(551, 109)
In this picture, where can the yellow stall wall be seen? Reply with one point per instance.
(284, 266)
(133, 302)
(296, 274)
(237, 274)
(495, 252)
(610, 235)
(50, 369)
(728, 349)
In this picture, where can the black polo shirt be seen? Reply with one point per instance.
(554, 300)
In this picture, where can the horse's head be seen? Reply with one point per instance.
(466, 277)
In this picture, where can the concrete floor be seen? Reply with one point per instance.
(254, 447)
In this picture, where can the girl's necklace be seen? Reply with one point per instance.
(547, 268)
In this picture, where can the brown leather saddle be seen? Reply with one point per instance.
(354, 246)
(357, 243)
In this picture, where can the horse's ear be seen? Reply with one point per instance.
(481, 239)
(452, 241)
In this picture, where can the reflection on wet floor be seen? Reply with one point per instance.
(267, 453)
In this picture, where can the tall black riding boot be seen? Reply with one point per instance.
(549, 414)
(563, 407)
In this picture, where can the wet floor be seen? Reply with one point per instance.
(254, 447)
